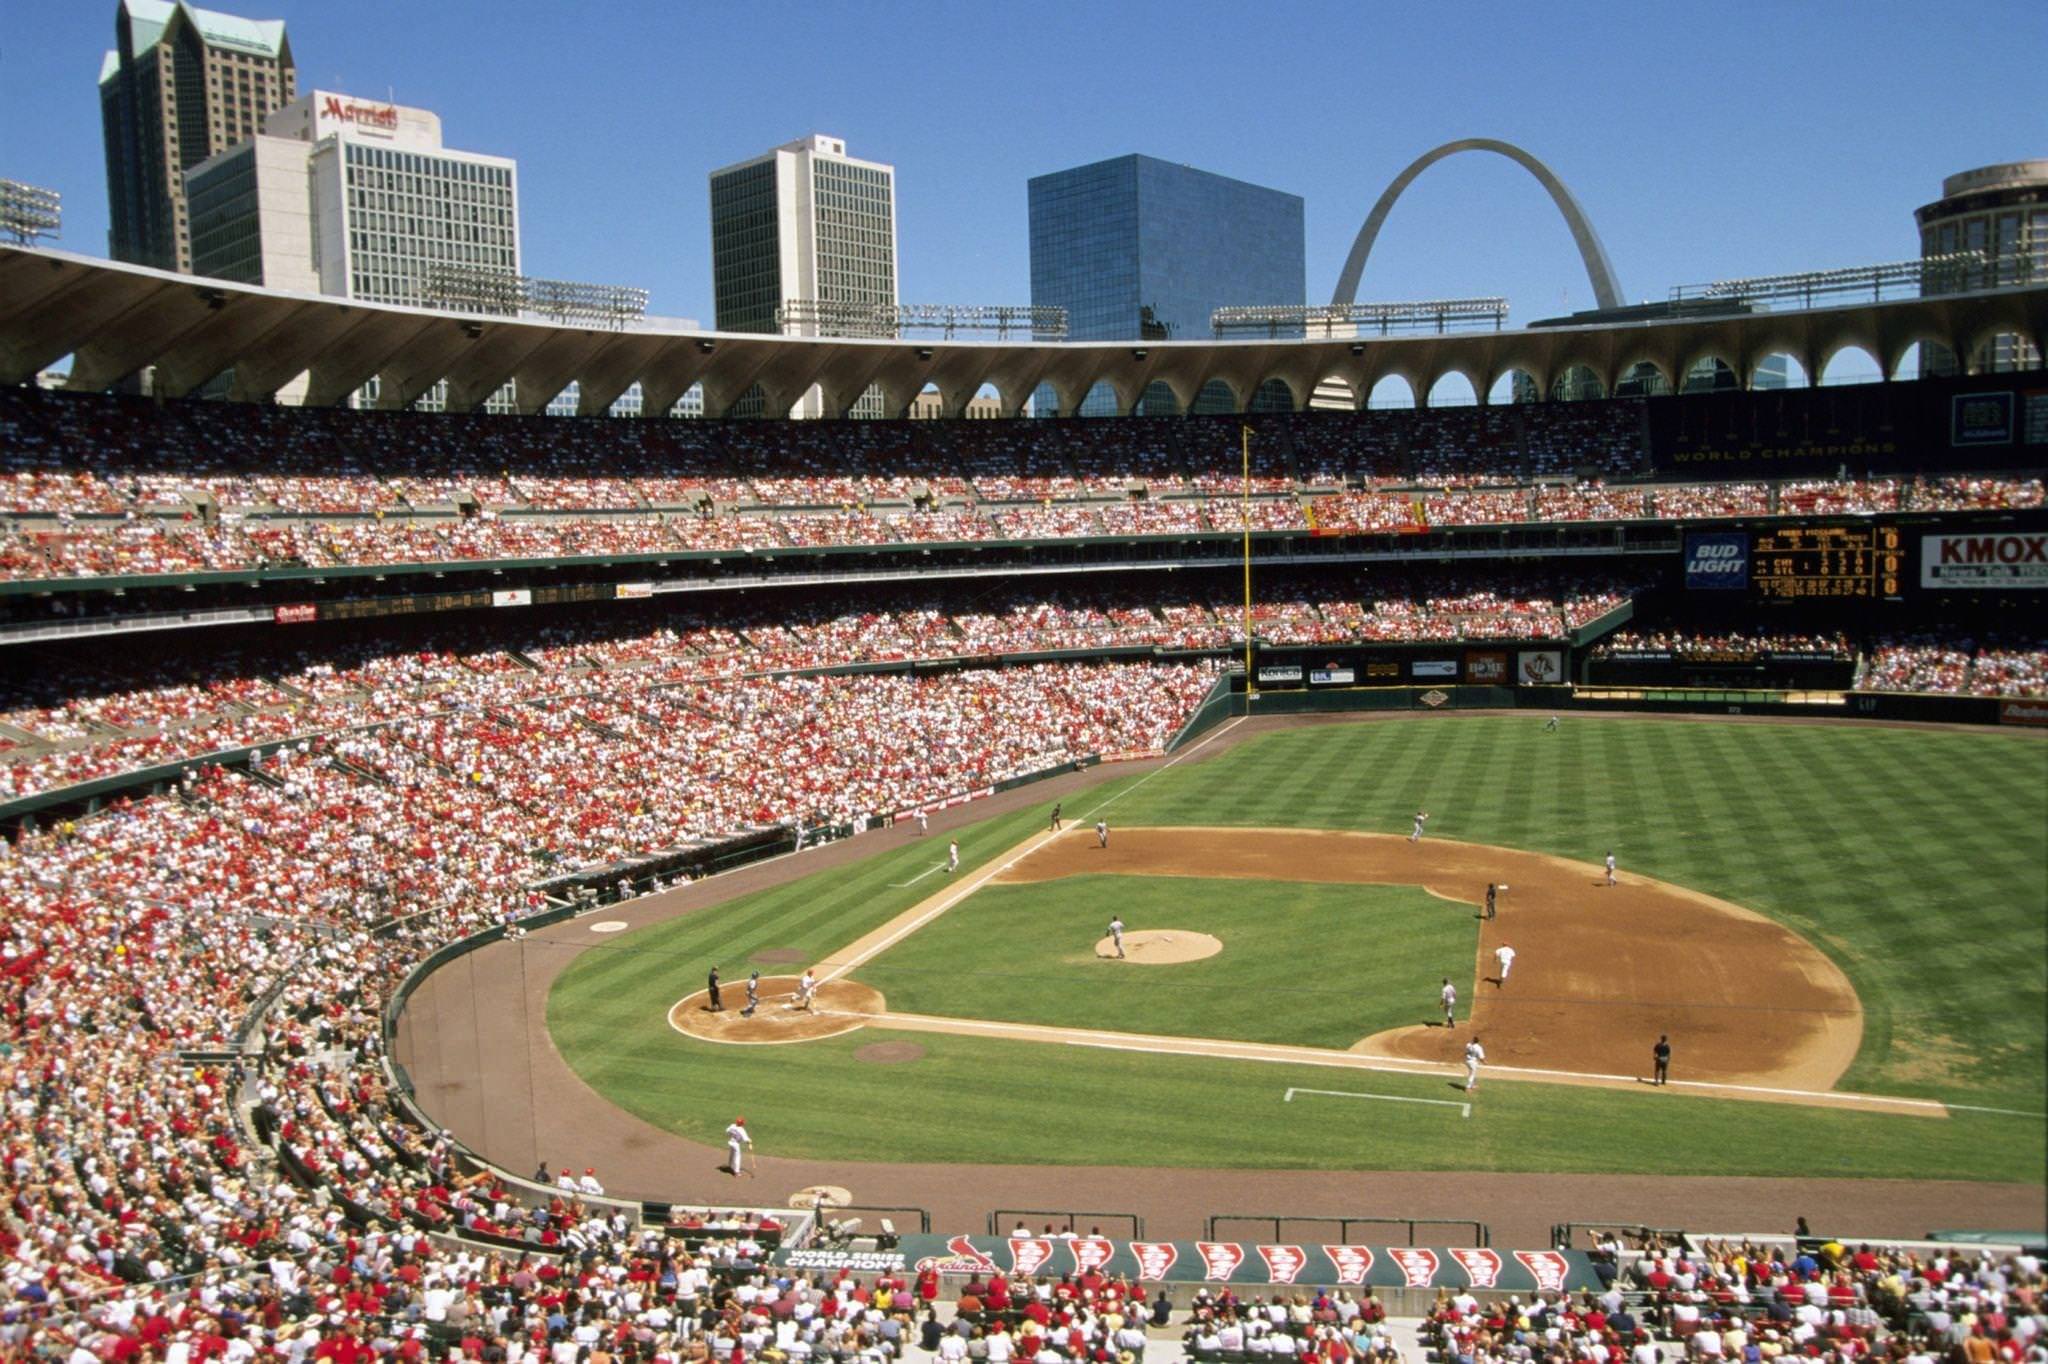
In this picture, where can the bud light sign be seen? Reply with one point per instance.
(1717, 561)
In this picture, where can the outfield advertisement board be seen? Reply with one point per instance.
(1270, 675)
(2000, 560)
(1235, 1262)
(1539, 667)
(1717, 562)
(1332, 677)
(1434, 667)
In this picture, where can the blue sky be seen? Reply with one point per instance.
(1705, 140)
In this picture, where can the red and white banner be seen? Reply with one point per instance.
(633, 591)
(1481, 1266)
(1155, 1258)
(1418, 1266)
(300, 613)
(1220, 1259)
(512, 596)
(1091, 1252)
(1353, 1262)
(1028, 1254)
(1548, 1266)
(1283, 1263)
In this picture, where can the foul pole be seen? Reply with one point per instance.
(1251, 685)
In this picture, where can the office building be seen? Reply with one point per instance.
(2001, 212)
(182, 84)
(1140, 249)
(805, 225)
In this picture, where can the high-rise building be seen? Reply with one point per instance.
(803, 224)
(1138, 249)
(182, 84)
(358, 199)
(2000, 212)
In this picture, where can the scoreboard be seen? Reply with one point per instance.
(1798, 563)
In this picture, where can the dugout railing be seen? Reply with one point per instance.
(1064, 1221)
(1464, 1231)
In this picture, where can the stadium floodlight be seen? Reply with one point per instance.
(1948, 273)
(30, 211)
(480, 289)
(892, 321)
(1337, 321)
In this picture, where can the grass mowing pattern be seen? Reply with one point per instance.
(1313, 965)
(1918, 859)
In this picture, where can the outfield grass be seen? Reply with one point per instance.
(1917, 859)
(1314, 965)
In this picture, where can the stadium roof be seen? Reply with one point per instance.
(115, 319)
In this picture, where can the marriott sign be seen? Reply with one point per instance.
(383, 117)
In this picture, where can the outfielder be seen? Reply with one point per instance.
(1550, 725)
(736, 1139)
(1421, 818)
(1474, 1054)
(1101, 833)
(1116, 934)
(952, 856)
(1610, 867)
(1449, 995)
(1505, 955)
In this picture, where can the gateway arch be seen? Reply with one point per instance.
(1606, 289)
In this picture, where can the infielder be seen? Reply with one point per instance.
(1055, 826)
(1505, 955)
(1101, 833)
(736, 1139)
(952, 856)
(1610, 867)
(753, 995)
(806, 989)
(1116, 934)
(1449, 995)
(1474, 1054)
(1421, 818)
(1491, 892)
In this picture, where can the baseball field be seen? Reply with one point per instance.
(1843, 929)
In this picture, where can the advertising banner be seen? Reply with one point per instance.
(1717, 562)
(1999, 561)
(1234, 1262)
(2017, 712)
(1981, 418)
(516, 596)
(1278, 673)
(299, 613)
(1434, 667)
(1539, 667)
(629, 591)
(1486, 669)
(1332, 677)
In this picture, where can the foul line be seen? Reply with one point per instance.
(945, 900)
(1464, 1109)
(903, 885)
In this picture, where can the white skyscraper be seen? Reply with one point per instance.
(803, 224)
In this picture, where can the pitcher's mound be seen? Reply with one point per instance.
(1161, 946)
(840, 1007)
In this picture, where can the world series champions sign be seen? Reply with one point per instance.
(1221, 1262)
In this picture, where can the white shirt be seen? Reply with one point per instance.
(1450, 995)
(736, 1135)
(1505, 954)
(1474, 1053)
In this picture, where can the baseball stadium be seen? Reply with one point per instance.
(485, 870)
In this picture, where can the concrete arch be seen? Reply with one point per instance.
(1606, 288)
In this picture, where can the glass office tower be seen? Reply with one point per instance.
(1141, 249)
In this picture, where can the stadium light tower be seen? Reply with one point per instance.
(30, 211)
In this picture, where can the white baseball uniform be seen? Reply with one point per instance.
(1474, 1054)
(1505, 955)
(923, 821)
(953, 856)
(1450, 999)
(1102, 833)
(1116, 934)
(1610, 869)
(1415, 834)
(805, 989)
(736, 1139)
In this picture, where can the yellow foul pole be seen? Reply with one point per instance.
(1251, 683)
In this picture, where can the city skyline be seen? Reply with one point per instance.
(1740, 155)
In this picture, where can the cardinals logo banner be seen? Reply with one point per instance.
(1352, 1263)
(1481, 1266)
(1283, 1263)
(1220, 1259)
(1091, 1252)
(1548, 1266)
(1028, 1253)
(1418, 1266)
(1155, 1258)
